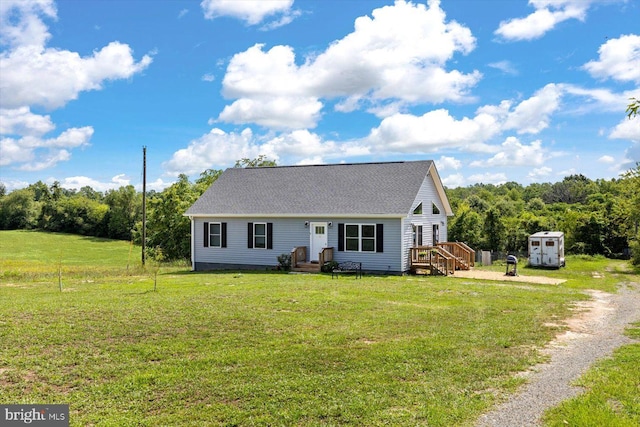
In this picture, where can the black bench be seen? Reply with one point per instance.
(347, 267)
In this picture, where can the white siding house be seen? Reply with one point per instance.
(371, 213)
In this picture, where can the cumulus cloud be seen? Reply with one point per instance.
(488, 178)
(533, 115)
(407, 133)
(619, 60)
(627, 129)
(447, 162)
(34, 153)
(251, 11)
(218, 148)
(547, 15)
(34, 75)
(513, 153)
(396, 55)
(538, 174)
(606, 159)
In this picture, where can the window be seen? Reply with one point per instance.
(260, 235)
(360, 237)
(535, 243)
(549, 243)
(436, 211)
(215, 234)
(418, 210)
(417, 235)
(436, 234)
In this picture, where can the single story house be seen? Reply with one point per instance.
(372, 213)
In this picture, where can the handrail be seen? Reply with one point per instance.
(298, 254)
(436, 258)
(325, 255)
(464, 255)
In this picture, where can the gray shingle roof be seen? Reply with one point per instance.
(338, 189)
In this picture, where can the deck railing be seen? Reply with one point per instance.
(436, 259)
(325, 255)
(298, 254)
(463, 254)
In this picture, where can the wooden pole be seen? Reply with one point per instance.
(144, 203)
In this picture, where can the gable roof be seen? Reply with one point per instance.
(351, 189)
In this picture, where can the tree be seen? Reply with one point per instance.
(18, 210)
(125, 209)
(259, 162)
(632, 108)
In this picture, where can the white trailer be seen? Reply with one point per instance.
(546, 249)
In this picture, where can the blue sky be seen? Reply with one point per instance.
(492, 90)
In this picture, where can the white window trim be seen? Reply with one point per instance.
(374, 238)
(266, 244)
(214, 234)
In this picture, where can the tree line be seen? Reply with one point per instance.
(597, 217)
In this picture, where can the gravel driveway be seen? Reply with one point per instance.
(594, 333)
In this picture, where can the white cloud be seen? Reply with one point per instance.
(513, 154)
(274, 112)
(21, 121)
(446, 162)
(547, 15)
(488, 178)
(406, 133)
(506, 67)
(208, 77)
(182, 13)
(533, 115)
(619, 60)
(34, 153)
(538, 174)
(606, 159)
(627, 129)
(454, 181)
(20, 24)
(215, 149)
(33, 75)
(251, 11)
(397, 55)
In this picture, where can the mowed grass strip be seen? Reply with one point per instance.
(271, 349)
(612, 392)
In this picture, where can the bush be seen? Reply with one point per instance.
(328, 266)
(284, 262)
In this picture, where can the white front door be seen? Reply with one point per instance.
(318, 239)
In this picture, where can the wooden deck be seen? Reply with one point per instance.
(443, 259)
(300, 264)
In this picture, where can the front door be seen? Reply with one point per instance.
(436, 234)
(318, 239)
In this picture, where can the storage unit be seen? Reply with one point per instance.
(546, 249)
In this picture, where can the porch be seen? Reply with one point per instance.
(300, 264)
(442, 259)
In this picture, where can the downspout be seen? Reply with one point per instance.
(193, 244)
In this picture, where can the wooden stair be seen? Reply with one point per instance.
(307, 267)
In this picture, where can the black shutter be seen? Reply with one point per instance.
(379, 237)
(250, 235)
(223, 238)
(269, 235)
(206, 235)
(340, 237)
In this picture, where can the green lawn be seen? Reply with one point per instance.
(263, 348)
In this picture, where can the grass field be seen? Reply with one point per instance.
(264, 348)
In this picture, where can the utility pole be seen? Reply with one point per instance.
(144, 202)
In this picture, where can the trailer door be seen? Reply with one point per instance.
(550, 252)
(535, 251)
